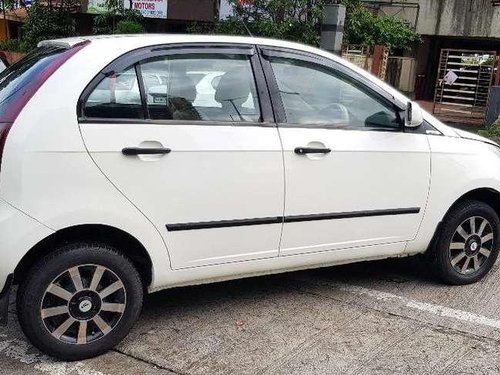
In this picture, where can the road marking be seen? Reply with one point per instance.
(23, 352)
(439, 310)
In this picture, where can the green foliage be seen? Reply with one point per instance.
(118, 20)
(43, 23)
(363, 27)
(300, 20)
(7, 5)
(13, 45)
(200, 28)
(129, 27)
(297, 20)
(492, 132)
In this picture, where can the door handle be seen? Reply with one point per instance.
(145, 151)
(311, 150)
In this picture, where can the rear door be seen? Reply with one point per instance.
(354, 176)
(187, 135)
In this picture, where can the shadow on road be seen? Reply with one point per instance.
(396, 270)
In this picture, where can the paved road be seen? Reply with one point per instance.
(387, 317)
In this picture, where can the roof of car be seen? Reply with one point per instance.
(142, 40)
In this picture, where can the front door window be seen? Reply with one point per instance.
(314, 94)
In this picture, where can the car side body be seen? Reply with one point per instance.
(236, 200)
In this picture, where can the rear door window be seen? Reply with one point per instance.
(201, 87)
(116, 96)
(192, 87)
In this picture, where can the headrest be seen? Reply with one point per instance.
(234, 85)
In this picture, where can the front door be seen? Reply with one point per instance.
(183, 137)
(353, 176)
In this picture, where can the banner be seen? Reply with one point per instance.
(148, 8)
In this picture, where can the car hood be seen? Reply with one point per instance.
(449, 131)
(474, 137)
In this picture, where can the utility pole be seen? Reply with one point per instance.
(332, 27)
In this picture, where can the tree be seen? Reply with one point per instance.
(297, 20)
(363, 27)
(117, 19)
(48, 22)
(300, 20)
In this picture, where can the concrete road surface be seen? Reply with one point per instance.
(387, 317)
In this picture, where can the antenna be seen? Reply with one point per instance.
(246, 27)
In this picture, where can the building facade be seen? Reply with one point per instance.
(444, 24)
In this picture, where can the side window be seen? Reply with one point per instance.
(328, 98)
(116, 96)
(209, 87)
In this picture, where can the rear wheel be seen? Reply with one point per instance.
(468, 244)
(79, 301)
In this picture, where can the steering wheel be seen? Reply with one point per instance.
(335, 113)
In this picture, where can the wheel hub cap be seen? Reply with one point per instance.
(85, 305)
(472, 245)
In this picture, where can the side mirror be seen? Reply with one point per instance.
(414, 116)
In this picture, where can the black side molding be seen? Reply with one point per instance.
(289, 219)
(223, 223)
(353, 214)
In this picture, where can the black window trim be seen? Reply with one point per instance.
(142, 90)
(134, 57)
(279, 110)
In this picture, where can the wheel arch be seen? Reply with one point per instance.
(121, 240)
(486, 195)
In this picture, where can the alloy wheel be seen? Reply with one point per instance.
(471, 245)
(83, 304)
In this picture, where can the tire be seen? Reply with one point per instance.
(100, 299)
(468, 243)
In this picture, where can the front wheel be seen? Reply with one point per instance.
(468, 244)
(79, 301)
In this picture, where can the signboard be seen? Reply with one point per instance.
(148, 8)
(450, 77)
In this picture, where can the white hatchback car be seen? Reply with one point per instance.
(112, 184)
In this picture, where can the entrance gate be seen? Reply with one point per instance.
(463, 84)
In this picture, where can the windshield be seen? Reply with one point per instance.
(18, 81)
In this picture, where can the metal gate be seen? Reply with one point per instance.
(373, 59)
(463, 84)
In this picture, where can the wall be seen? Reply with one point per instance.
(469, 18)
(193, 10)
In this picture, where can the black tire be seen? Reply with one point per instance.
(456, 265)
(92, 261)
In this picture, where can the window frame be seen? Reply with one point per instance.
(340, 70)
(135, 57)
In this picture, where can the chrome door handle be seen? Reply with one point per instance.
(311, 150)
(145, 151)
